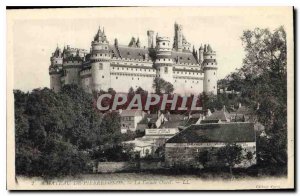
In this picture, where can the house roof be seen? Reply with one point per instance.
(191, 121)
(216, 132)
(218, 115)
(173, 121)
(132, 113)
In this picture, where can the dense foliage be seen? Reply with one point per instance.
(261, 84)
(59, 133)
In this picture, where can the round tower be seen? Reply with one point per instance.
(164, 61)
(100, 62)
(55, 70)
(210, 68)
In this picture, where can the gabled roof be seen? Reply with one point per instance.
(216, 132)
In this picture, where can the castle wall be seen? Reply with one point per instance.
(86, 80)
(126, 74)
(55, 83)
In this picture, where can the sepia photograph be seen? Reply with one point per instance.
(150, 98)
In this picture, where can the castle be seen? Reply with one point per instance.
(121, 67)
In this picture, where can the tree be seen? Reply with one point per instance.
(262, 81)
(230, 155)
(161, 86)
(58, 134)
(203, 157)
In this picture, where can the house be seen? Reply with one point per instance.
(130, 119)
(143, 147)
(183, 149)
(150, 121)
(219, 116)
(156, 136)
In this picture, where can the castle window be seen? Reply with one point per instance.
(214, 73)
(138, 78)
(214, 87)
(100, 66)
(132, 78)
(102, 76)
(210, 56)
(208, 80)
(164, 43)
(116, 77)
(166, 70)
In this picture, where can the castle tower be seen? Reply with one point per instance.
(201, 50)
(178, 37)
(210, 70)
(150, 35)
(55, 70)
(100, 62)
(164, 61)
(71, 66)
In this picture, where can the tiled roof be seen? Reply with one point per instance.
(183, 57)
(217, 132)
(129, 52)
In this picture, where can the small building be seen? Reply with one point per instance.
(220, 116)
(183, 149)
(130, 119)
(143, 147)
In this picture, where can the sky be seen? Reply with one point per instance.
(34, 34)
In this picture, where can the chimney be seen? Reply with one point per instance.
(240, 105)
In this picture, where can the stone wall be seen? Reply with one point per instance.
(111, 167)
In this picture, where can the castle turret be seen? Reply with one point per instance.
(55, 70)
(100, 62)
(150, 35)
(164, 61)
(201, 50)
(210, 70)
(178, 37)
(138, 43)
